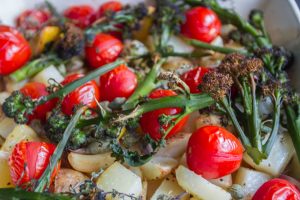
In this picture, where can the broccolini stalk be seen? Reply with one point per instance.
(16, 193)
(238, 69)
(145, 87)
(43, 182)
(292, 112)
(19, 106)
(34, 67)
(204, 45)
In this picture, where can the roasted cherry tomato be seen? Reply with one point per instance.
(36, 90)
(110, 6)
(120, 82)
(201, 24)
(193, 78)
(33, 19)
(276, 189)
(81, 15)
(105, 49)
(87, 94)
(150, 121)
(213, 152)
(14, 50)
(29, 160)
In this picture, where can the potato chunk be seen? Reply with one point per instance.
(176, 146)
(119, 178)
(66, 179)
(170, 188)
(90, 163)
(158, 167)
(5, 180)
(19, 133)
(198, 186)
(250, 180)
(279, 157)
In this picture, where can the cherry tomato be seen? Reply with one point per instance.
(29, 160)
(201, 24)
(14, 50)
(36, 90)
(105, 49)
(193, 78)
(150, 121)
(81, 15)
(110, 6)
(87, 94)
(276, 189)
(120, 82)
(213, 152)
(33, 19)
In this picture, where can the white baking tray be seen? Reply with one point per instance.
(282, 19)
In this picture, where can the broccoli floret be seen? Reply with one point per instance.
(56, 126)
(18, 106)
(72, 43)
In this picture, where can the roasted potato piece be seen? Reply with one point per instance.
(158, 167)
(67, 179)
(250, 180)
(5, 180)
(169, 187)
(19, 133)
(198, 186)
(90, 163)
(119, 178)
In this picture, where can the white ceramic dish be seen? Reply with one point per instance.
(282, 19)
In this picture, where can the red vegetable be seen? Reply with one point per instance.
(105, 49)
(149, 121)
(277, 189)
(120, 82)
(14, 50)
(36, 90)
(29, 160)
(33, 19)
(110, 6)
(87, 94)
(193, 78)
(213, 152)
(81, 15)
(201, 24)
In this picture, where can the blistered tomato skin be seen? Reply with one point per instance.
(110, 6)
(14, 50)
(201, 24)
(213, 152)
(276, 189)
(36, 90)
(29, 160)
(33, 19)
(104, 49)
(120, 82)
(87, 94)
(150, 121)
(193, 78)
(81, 15)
